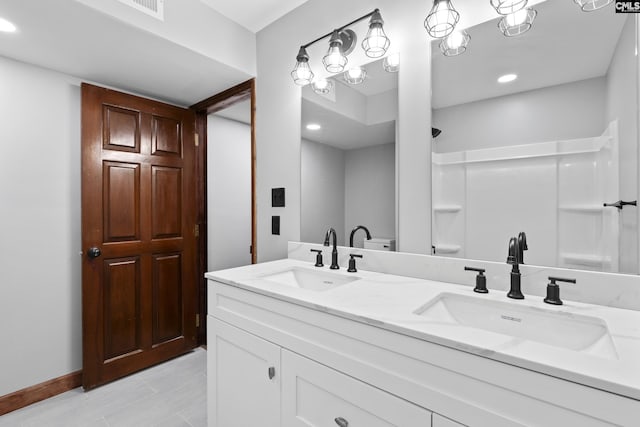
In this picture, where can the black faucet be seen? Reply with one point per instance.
(334, 253)
(366, 230)
(522, 245)
(514, 259)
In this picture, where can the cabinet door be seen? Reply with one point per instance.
(440, 421)
(243, 378)
(315, 395)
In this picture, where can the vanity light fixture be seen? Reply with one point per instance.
(341, 43)
(455, 43)
(314, 126)
(322, 86)
(391, 63)
(355, 75)
(302, 74)
(442, 19)
(7, 26)
(507, 78)
(376, 43)
(335, 59)
(505, 7)
(591, 5)
(517, 23)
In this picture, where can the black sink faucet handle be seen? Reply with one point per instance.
(481, 280)
(318, 257)
(553, 290)
(352, 262)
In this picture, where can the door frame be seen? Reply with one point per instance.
(241, 92)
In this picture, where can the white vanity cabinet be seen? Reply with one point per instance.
(334, 368)
(243, 378)
(253, 382)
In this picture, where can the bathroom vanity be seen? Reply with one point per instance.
(291, 344)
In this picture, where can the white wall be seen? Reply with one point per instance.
(322, 199)
(40, 262)
(623, 72)
(370, 192)
(567, 111)
(228, 193)
(278, 115)
(217, 36)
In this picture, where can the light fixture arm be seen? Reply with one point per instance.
(368, 15)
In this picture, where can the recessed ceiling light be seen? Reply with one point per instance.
(6, 26)
(507, 78)
(313, 126)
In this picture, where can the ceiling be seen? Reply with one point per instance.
(342, 132)
(564, 45)
(254, 14)
(77, 39)
(378, 80)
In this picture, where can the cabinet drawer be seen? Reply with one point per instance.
(440, 421)
(315, 395)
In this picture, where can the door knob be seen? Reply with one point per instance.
(94, 252)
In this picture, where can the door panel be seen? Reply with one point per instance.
(122, 306)
(121, 129)
(138, 209)
(167, 297)
(166, 136)
(166, 206)
(121, 189)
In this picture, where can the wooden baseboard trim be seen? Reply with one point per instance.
(27, 396)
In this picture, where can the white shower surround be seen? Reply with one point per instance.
(554, 191)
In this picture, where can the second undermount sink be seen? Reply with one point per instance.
(570, 331)
(309, 279)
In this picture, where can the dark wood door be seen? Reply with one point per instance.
(139, 284)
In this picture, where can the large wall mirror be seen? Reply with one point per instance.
(542, 153)
(348, 157)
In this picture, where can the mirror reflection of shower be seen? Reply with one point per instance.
(544, 150)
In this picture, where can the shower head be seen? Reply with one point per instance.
(435, 132)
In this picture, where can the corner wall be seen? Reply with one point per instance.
(622, 71)
(40, 263)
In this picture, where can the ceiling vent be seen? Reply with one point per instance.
(154, 8)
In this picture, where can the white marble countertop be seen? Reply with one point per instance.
(390, 302)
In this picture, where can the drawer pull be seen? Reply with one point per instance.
(342, 422)
(272, 372)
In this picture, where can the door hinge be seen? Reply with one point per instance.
(197, 320)
(196, 230)
(196, 139)
(251, 249)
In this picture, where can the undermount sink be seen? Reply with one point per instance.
(309, 279)
(559, 329)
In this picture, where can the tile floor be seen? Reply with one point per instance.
(172, 394)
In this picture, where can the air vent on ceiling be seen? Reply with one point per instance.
(154, 8)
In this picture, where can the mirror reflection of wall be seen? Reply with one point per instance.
(544, 152)
(348, 163)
